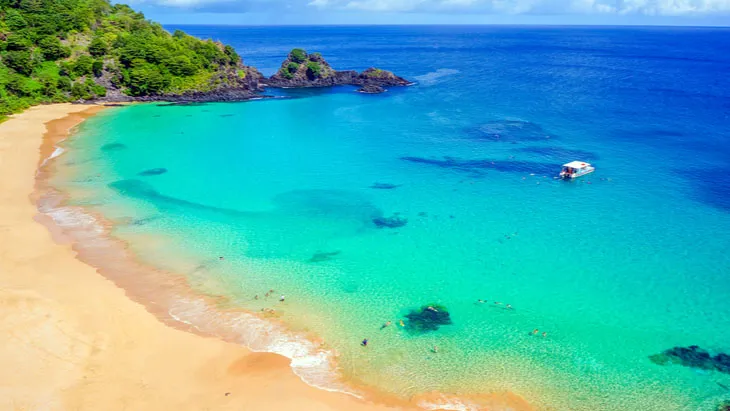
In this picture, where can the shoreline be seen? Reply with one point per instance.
(153, 292)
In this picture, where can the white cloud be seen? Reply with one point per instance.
(544, 7)
(643, 7)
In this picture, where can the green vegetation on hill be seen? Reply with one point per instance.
(66, 50)
(313, 66)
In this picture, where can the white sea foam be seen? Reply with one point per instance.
(313, 365)
(57, 152)
(73, 218)
(429, 79)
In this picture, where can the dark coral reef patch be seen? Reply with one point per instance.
(153, 172)
(384, 186)
(693, 357)
(393, 221)
(428, 318)
(513, 131)
(512, 166)
(323, 256)
(113, 147)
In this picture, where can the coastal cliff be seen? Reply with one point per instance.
(301, 70)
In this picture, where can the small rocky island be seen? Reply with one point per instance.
(301, 70)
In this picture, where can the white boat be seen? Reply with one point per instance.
(576, 169)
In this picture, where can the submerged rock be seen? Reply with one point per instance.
(153, 172)
(113, 147)
(394, 221)
(371, 89)
(693, 357)
(723, 406)
(384, 186)
(428, 318)
(323, 256)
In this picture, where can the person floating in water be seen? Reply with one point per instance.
(402, 324)
(387, 324)
(497, 303)
(535, 331)
(480, 301)
(256, 297)
(435, 349)
(508, 306)
(364, 342)
(282, 298)
(544, 334)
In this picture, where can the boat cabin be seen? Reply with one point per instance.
(576, 169)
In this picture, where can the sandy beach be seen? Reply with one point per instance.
(70, 339)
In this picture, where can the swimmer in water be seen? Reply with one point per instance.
(480, 301)
(256, 297)
(544, 334)
(387, 323)
(497, 303)
(402, 324)
(435, 349)
(535, 331)
(429, 308)
(282, 298)
(364, 342)
(509, 306)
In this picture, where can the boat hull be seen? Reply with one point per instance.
(577, 174)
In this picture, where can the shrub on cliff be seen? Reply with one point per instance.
(298, 55)
(314, 70)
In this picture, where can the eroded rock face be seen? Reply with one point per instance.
(302, 70)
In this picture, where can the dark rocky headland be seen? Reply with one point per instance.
(301, 70)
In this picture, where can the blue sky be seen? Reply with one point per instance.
(285, 12)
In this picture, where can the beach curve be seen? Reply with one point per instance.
(74, 340)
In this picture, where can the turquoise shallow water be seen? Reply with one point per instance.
(618, 266)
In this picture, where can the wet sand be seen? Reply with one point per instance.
(72, 339)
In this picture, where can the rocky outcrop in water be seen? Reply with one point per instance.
(302, 70)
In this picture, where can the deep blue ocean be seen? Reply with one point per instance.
(614, 268)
